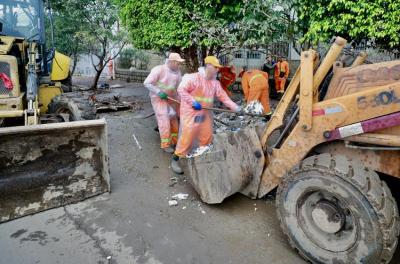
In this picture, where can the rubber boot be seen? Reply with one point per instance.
(175, 165)
(169, 149)
(267, 117)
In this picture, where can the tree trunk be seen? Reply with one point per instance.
(96, 79)
(192, 62)
(203, 52)
(101, 65)
(211, 51)
(75, 59)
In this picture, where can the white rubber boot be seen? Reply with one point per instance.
(175, 167)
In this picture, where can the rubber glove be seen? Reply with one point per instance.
(196, 105)
(163, 96)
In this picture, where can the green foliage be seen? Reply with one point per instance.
(214, 23)
(133, 57)
(167, 24)
(125, 58)
(262, 22)
(193, 27)
(141, 60)
(377, 20)
(93, 25)
(156, 24)
(65, 29)
(100, 18)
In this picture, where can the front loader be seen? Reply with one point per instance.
(332, 138)
(45, 161)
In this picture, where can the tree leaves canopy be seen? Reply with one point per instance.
(210, 23)
(373, 20)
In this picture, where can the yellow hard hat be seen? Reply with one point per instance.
(213, 61)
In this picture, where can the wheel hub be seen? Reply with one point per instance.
(325, 220)
(327, 217)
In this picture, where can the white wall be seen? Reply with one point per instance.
(85, 67)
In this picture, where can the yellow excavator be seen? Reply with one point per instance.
(330, 147)
(45, 160)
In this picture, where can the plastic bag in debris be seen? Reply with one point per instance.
(254, 107)
(199, 151)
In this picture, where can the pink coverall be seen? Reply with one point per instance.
(163, 79)
(198, 124)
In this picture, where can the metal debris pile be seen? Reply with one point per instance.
(106, 98)
(254, 107)
(116, 103)
(233, 122)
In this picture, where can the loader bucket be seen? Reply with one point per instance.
(235, 165)
(51, 165)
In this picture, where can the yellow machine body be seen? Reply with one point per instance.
(60, 67)
(45, 162)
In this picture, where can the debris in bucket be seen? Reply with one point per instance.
(199, 151)
(180, 196)
(254, 107)
(225, 122)
(236, 123)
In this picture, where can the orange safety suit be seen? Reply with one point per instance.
(110, 69)
(163, 79)
(228, 77)
(281, 73)
(255, 87)
(196, 125)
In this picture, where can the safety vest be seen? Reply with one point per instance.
(255, 77)
(165, 87)
(204, 99)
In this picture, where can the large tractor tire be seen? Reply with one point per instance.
(76, 107)
(334, 210)
(66, 85)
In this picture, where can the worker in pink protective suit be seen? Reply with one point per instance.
(197, 90)
(162, 83)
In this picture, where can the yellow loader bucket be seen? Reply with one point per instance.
(234, 165)
(51, 165)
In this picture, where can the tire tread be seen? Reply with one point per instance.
(363, 179)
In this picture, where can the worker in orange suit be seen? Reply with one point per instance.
(281, 73)
(111, 69)
(162, 83)
(197, 92)
(255, 88)
(244, 69)
(228, 77)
